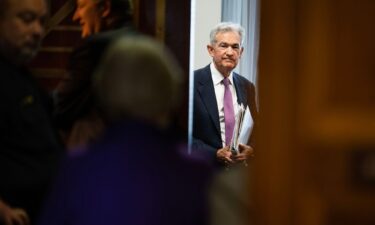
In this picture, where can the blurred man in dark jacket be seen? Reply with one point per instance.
(77, 114)
(29, 148)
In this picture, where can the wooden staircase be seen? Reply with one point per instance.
(62, 35)
(167, 21)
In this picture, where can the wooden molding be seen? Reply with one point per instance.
(136, 13)
(60, 15)
(160, 20)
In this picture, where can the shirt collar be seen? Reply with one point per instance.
(217, 77)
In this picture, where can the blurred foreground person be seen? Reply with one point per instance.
(136, 173)
(76, 111)
(28, 147)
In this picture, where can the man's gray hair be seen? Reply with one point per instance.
(138, 78)
(227, 27)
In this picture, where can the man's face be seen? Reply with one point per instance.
(226, 51)
(22, 28)
(89, 16)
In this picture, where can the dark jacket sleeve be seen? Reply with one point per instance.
(74, 97)
(251, 102)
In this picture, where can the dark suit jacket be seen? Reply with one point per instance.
(206, 125)
(29, 148)
(75, 99)
(75, 95)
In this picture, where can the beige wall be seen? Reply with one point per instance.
(207, 14)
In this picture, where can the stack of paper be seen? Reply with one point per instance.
(242, 129)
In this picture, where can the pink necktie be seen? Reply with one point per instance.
(228, 112)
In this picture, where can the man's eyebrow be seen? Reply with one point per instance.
(231, 44)
(27, 13)
(32, 13)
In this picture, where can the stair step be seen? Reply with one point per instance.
(42, 73)
(50, 60)
(62, 38)
(67, 28)
(56, 49)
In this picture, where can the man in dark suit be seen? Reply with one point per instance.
(29, 148)
(210, 132)
(76, 112)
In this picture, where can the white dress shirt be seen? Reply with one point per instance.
(217, 79)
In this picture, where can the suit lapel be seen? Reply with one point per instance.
(240, 89)
(207, 94)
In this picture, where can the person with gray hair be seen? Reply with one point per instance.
(146, 74)
(136, 172)
(227, 27)
(218, 92)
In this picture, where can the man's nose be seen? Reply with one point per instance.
(230, 50)
(38, 28)
(75, 15)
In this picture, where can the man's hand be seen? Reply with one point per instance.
(246, 152)
(12, 216)
(224, 155)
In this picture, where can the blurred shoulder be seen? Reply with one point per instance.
(112, 34)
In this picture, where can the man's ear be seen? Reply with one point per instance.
(210, 50)
(241, 51)
(105, 8)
